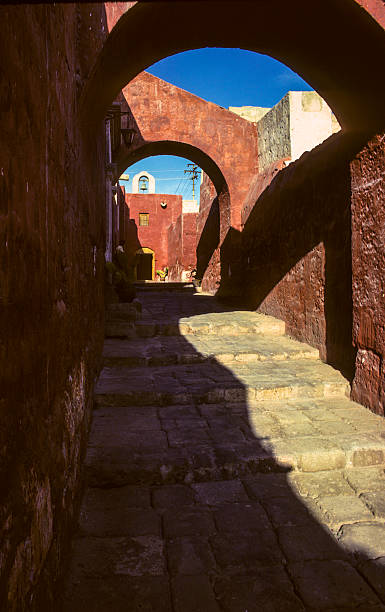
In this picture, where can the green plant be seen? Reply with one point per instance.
(110, 267)
(120, 282)
(162, 273)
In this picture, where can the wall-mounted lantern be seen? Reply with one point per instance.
(163, 204)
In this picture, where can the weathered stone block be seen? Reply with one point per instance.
(215, 493)
(192, 593)
(328, 585)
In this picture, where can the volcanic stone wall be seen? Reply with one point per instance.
(182, 247)
(311, 253)
(165, 113)
(208, 237)
(52, 214)
(154, 235)
(368, 269)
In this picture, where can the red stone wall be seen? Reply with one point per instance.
(333, 297)
(208, 237)
(182, 247)
(174, 258)
(368, 256)
(314, 256)
(114, 10)
(52, 213)
(293, 258)
(153, 236)
(189, 241)
(163, 112)
(120, 218)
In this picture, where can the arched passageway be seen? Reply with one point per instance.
(166, 118)
(317, 40)
(53, 238)
(218, 212)
(180, 149)
(338, 48)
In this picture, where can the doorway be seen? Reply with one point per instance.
(145, 264)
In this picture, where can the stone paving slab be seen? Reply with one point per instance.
(211, 383)
(168, 350)
(218, 324)
(363, 540)
(113, 593)
(233, 438)
(332, 585)
(268, 589)
(369, 479)
(227, 484)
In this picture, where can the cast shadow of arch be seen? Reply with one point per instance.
(225, 522)
(303, 218)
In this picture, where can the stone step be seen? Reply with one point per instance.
(213, 324)
(115, 328)
(212, 383)
(164, 286)
(121, 318)
(195, 443)
(188, 349)
(124, 311)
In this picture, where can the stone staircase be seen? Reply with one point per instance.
(227, 469)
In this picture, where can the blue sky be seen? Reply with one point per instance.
(227, 77)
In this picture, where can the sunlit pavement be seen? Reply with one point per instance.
(226, 470)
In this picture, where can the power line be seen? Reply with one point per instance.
(179, 184)
(167, 178)
(173, 179)
(194, 170)
(157, 171)
(186, 189)
(170, 170)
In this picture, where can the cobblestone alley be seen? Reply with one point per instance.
(227, 470)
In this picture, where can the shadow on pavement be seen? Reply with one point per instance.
(187, 508)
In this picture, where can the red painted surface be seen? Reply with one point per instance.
(375, 8)
(293, 258)
(115, 10)
(163, 112)
(155, 235)
(208, 237)
(258, 185)
(182, 247)
(121, 218)
(52, 214)
(346, 75)
(368, 261)
(311, 250)
(343, 72)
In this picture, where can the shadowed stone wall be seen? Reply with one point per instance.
(368, 257)
(312, 254)
(52, 198)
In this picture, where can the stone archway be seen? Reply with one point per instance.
(215, 219)
(317, 40)
(216, 138)
(338, 48)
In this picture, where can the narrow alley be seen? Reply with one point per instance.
(226, 470)
(215, 445)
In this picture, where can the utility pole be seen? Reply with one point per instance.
(194, 171)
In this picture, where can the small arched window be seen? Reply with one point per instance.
(143, 183)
